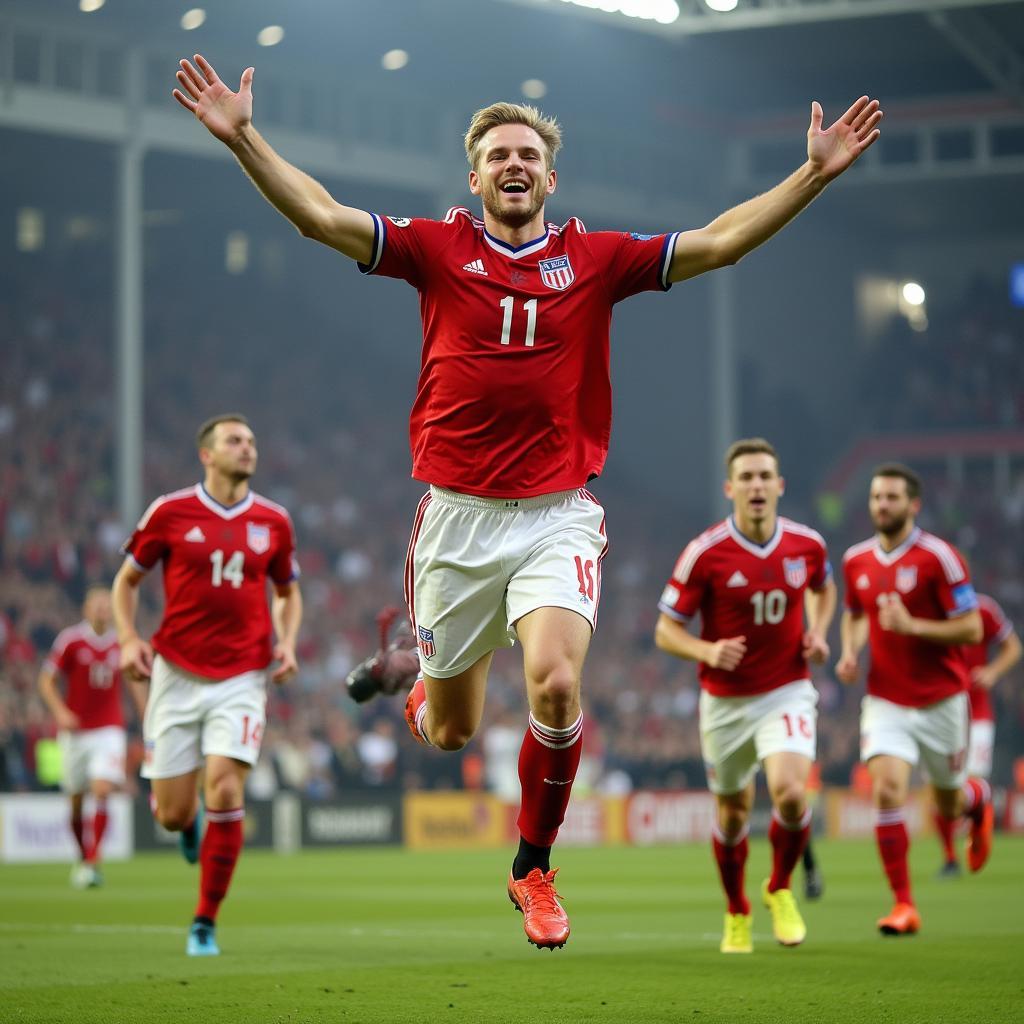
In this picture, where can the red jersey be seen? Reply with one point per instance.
(996, 628)
(931, 578)
(514, 395)
(742, 588)
(216, 560)
(91, 666)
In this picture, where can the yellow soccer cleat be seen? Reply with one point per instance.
(787, 924)
(736, 936)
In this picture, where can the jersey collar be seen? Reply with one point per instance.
(224, 511)
(888, 557)
(517, 252)
(760, 550)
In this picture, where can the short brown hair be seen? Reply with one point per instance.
(749, 446)
(205, 433)
(549, 130)
(902, 472)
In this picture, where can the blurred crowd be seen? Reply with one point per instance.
(333, 450)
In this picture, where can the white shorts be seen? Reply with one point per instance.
(189, 718)
(979, 748)
(936, 734)
(478, 565)
(91, 754)
(737, 733)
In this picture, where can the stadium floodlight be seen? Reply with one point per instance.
(394, 60)
(662, 11)
(534, 89)
(193, 18)
(270, 36)
(722, 6)
(913, 294)
(88, 6)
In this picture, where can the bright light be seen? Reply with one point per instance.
(270, 36)
(913, 294)
(722, 5)
(193, 18)
(236, 252)
(662, 11)
(394, 60)
(88, 6)
(534, 89)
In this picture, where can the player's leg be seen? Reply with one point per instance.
(106, 773)
(788, 833)
(76, 821)
(730, 846)
(446, 712)
(890, 782)
(814, 882)
(101, 790)
(555, 642)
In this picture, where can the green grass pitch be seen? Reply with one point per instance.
(389, 935)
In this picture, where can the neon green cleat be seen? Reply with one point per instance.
(787, 924)
(737, 934)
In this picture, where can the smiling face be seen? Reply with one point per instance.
(512, 176)
(754, 488)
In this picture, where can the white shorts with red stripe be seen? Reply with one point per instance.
(478, 565)
(980, 747)
(92, 754)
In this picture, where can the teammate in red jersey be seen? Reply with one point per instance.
(752, 579)
(996, 630)
(512, 415)
(90, 723)
(908, 595)
(219, 543)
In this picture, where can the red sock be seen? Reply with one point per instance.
(945, 828)
(977, 793)
(548, 760)
(78, 830)
(99, 826)
(893, 844)
(732, 862)
(218, 855)
(788, 843)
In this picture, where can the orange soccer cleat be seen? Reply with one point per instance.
(544, 921)
(903, 919)
(413, 703)
(979, 842)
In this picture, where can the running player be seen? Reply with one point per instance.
(752, 579)
(513, 415)
(908, 594)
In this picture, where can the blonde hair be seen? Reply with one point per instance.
(549, 130)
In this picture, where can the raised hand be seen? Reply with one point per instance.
(831, 150)
(224, 113)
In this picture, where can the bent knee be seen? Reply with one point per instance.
(791, 801)
(450, 737)
(174, 819)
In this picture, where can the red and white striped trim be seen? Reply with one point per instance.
(792, 826)
(235, 814)
(859, 549)
(945, 554)
(584, 493)
(557, 739)
(697, 547)
(408, 588)
(889, 816)
(716, 831)
(185, 492)
(802, 531)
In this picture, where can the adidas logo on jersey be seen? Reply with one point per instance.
(476, 267)
(737, 579)
(195, 535)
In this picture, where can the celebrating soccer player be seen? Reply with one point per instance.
(90, 723)
(908, 594)
(998, 630)
(751, 578)
(513, 415)
(219, 543)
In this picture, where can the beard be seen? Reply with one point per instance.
(491, 198)
(891, 526)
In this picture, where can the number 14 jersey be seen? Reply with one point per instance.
(216, 561)
(514, 392)
(741, 588)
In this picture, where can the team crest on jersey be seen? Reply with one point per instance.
(425, 641)
(906, 578)
(557, 273)
(795, 570)
(257, 537)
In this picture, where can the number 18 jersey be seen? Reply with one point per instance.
(741, 588)
(514, 392)
(216, 561)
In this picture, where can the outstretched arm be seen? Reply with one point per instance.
(729, 237)
(305, 202)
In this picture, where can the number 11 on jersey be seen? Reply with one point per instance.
(508, 304)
